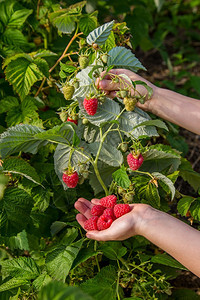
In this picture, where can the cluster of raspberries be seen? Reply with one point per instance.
(104, 214)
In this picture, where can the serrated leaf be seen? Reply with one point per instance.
(8, 103)
(67, 68)
(100, 34)
(156, 123)
(43, 53)
(152, 195)
(41, 198)
(83, 255)
(129, 120)
(167, 260)
(110, 43)
(85, 83)
(15, 208)
(18, 17)
(166, 181)
(20, 138)
(184, 205)
(42, 280)
(189, 175)
(42, 65)
(108, 154)
(14, 37)
(156, 161)
(15, 165)
(56, 290)
(22, 267)
(121, 178)
(195, 209)
(20, 241)
(60, 260)
(113, 250)
(122, 57)
(22, 74)
(61, 159)
(87, 23)
(63, 21)
(108, 111)
(103, 285)
(12, 283)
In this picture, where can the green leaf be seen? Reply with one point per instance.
(61, 159)
(20, 138)
(65, 19)
(85, 83)
(152, 195)
(41, 198)
(22, 267)
(130, 120)
(67, 67)
(18, 17)
(42, 65)
(87, 23)
(42, 280)
(167, 260)
(83, 255)
(20, 241)
(103, 285)
(12, 283)
(60, 260)
(8, 103)
(110, 43)
(189, 175)
(108, 111)
(121, 57)
(184, 205)
(108, 154)
(156, 161)
(22, 73)
(100, 34)
(148, 88)
(43, 53)
(56, 290)
(121, 178)
(113, 250)
(14, 37)
(15, 165)
(15, 208)
(166, 181)
(156, 123)
(195, 209)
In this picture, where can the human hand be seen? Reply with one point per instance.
(122, 228)
(110, 88)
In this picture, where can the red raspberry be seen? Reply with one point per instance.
(134, 162)
(103, 222)
(109, 213)
(91, 223)
(121, 209)
(70, 179)
(108, 201)
(97, 210)
(90, 106)
(73, 121)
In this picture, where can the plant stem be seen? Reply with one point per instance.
(145, 173)
(97, 262)
(100, 179)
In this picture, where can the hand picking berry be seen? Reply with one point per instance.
(134, 161)
(97, 210)
(121, 209)
(108, 201)
(90, 105)
(70, 178)
(91, 223)
(103, 222)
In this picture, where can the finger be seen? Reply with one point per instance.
(112, 94)
(103, 235)
(84, 207)
(81, 219)
(95, 201)
(108, 85)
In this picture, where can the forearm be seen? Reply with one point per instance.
(175, 237)
(181, 110)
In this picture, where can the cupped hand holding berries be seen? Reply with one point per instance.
(122, 228)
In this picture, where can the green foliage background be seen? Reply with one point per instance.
(43, 251)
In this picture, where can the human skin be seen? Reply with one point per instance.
(168, 233)
(171, 106)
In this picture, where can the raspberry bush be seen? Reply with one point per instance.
(62, 138)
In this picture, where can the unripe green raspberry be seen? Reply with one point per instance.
(63, 116)
(68, 91)
(124, 147)
(83, 61)
(85, 121)
(130, 103)
(104, 58)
